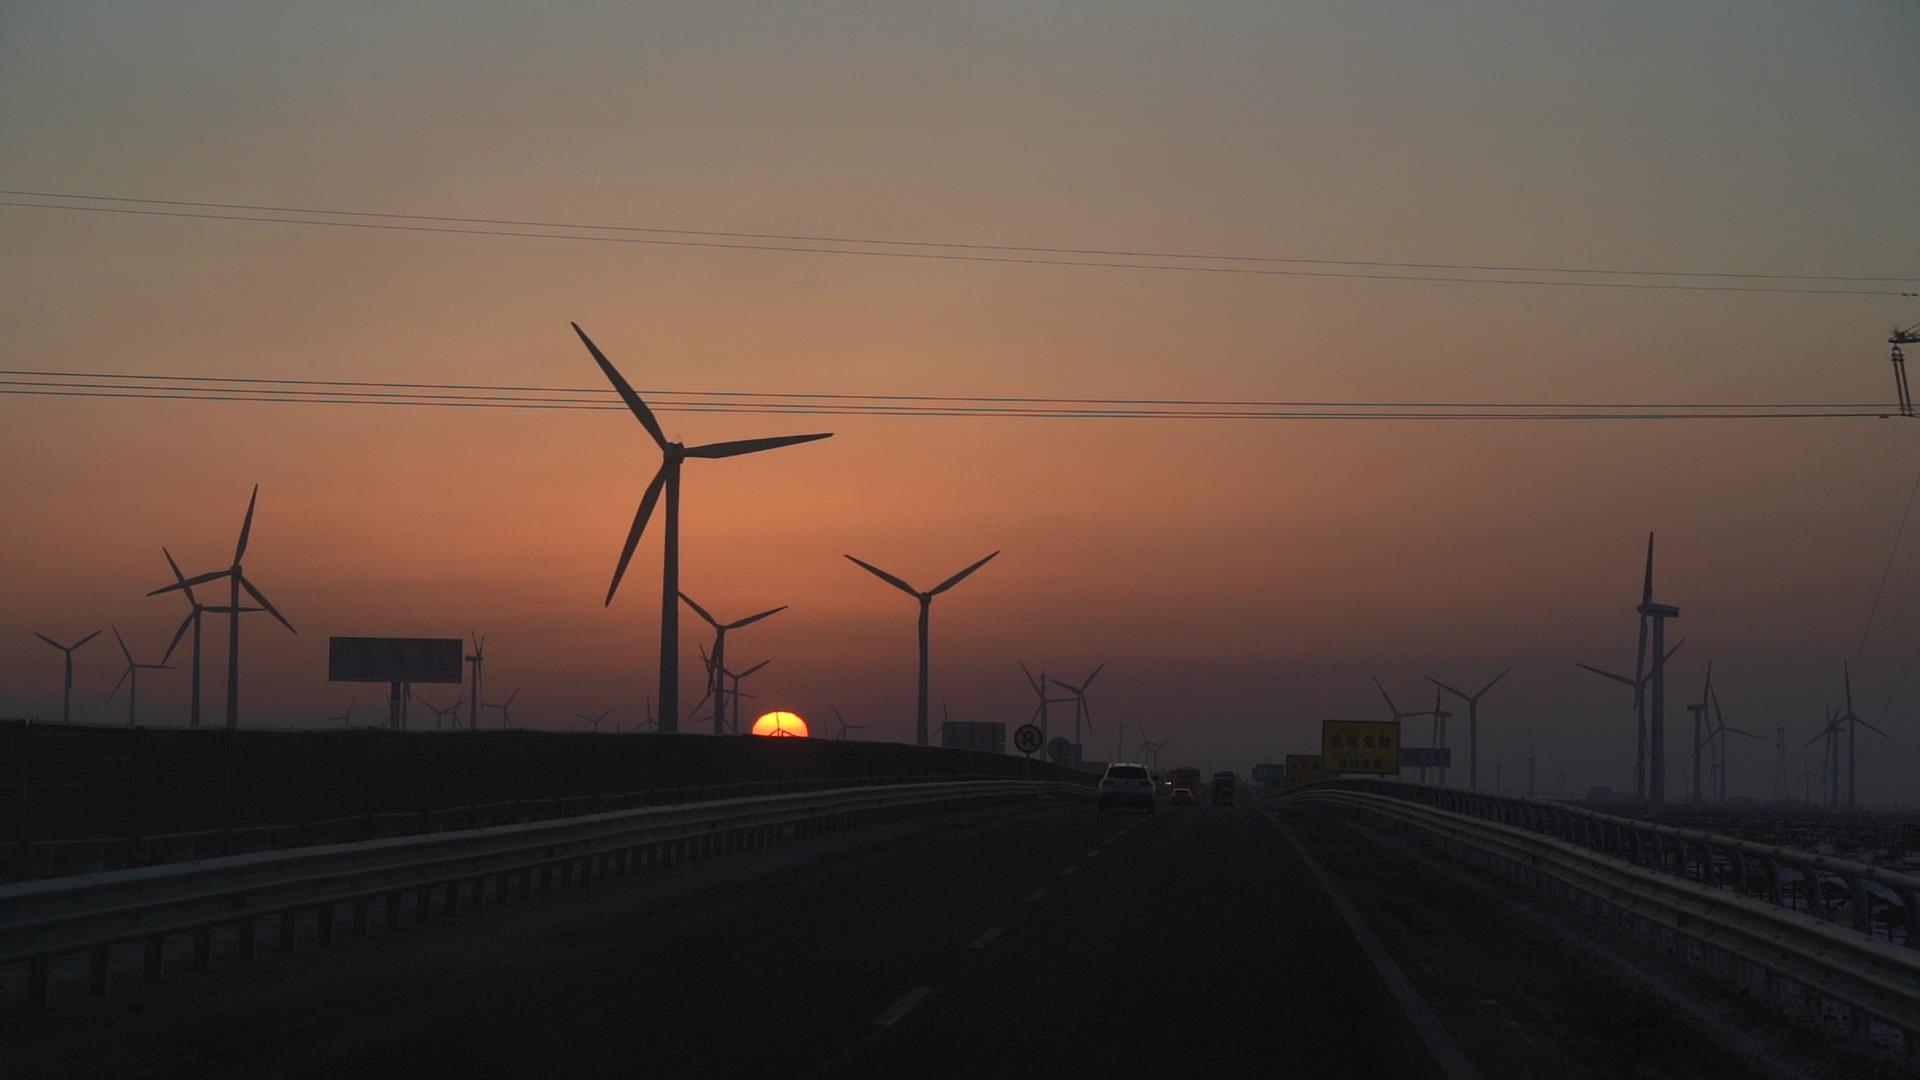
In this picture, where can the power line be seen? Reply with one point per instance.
(962, 246)
(953, 256)
(660, 392)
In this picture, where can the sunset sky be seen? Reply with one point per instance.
(1243, 579)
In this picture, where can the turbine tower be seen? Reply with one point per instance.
(735, 693)
(1397, 714)
(1473, 723)
(506, 709)
(1782, 782)
(1854, 724)
(66, 684)
(926, 606)
(1721, 729)
(1440, 718)
(474, 660)
(133, 670)
(1039, 685)
(717, 665)
(1638, 686)
(1702, 732)
(844, 726)
(1829, 756)
(194, 613)
(1080, 710)
(673, 455)
(236, 580)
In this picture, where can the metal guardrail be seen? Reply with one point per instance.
(1672, 886)
(92, 913)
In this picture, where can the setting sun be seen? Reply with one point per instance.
(778, 724)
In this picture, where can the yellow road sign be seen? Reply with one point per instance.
(1360, 746)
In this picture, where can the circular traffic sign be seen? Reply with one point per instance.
(1027, 738)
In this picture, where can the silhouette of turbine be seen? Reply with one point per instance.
(440, 715)
(1039, 717)
(844, 726)
(1854, 724)
(717, 663)
(1638, 686)
(1473, 723)
(505, 707)
(926, 607)
(593, 722)
(195, 611)
(673, 455)
(1080, 710)
(237, 580)
(66, 691)
(133, 670)
(474, 660)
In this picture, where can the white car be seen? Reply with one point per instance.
(1127, 785)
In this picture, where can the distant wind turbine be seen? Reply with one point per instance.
(844, 726)
(717, 665)
(1473, 723)
(132, 673)
(1039, 685)
(1081, 713)
(474, 659)
(237, 580)
(1854, 724)
(926, 605)
(673, 454)
(506, 709)
(66, 683)
(345, 718)
(194, 613)
(593, 722)
(1638, 686)
(440, 715)
(735, 692)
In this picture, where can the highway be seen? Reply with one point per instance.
(1030, 939)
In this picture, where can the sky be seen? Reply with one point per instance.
(1242, 580)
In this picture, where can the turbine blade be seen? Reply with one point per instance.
(1646, 585)
(1389, 700)
(179, 578)
(1095, 675)
(49, 641)
(638, 407)
(1675, 649)
(510, 697)
(1031, 681)
(1462, 696)
(1846, 674)
(83, 641)
(1603, 674)
(1640, 665)
(123, 643)
(1873, 729)
(700, 611)
(246, 526)
(884, 576)
(265, 604)
(197, 579)
(959, 577)
(751, 619)
(640, 517)
(122, 682)
(1491, 682)
(753, 669)
(178, 634)
(752, 446)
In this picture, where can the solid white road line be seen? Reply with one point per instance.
(986, 938)
(1037, 895)
(902, 1007)
(1446, 1053)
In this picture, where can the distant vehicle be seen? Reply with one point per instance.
(1183, 797)
(1223, 785)
(1127, 785)
(1187, 777)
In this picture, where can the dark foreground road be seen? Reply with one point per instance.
(1030, 940)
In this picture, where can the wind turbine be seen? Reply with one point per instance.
(345, 718)
(195, 610)
(66, 684)
(1473, 723)
(1397, 714)
(505, 707)
(593, 722)
(1440, 718)
(236, 580)
(1080, 710)
(717, 664)
(474, 660)
(844, 726)
(1702, 731)
(441, 715)
(1040, 691)
(1854, 724)
(1721, 729)
(673, 455)
(1829, 755)
(735, 691)
(1658, 614)
(134, 668)
(1638, 686)
(926, 605)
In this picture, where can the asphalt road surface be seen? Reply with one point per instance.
(1035, 939)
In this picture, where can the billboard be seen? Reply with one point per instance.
(1268, 775)
(974, 735)
(1304, 767)
(1426, 757)
(1360, 746)
(391, 660)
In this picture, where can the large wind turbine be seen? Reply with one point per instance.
(236, 580)
(1657, 614)
(717, 663)
(1473, 723)
(1039, 685)
(66, 685)
(926, 606)
(673, 455)
(1080, 710)
(1721, 729)
(1829, 755)
(1395, 710)
(134, 668)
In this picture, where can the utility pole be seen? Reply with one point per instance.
(1899, 337)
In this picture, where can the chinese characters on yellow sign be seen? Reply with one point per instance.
(1304, 767)
(1360, 746)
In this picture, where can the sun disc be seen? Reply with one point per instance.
(781, 724)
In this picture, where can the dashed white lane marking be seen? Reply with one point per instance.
(1037, 895)
(902, 1007)
(1093, 853)
(1108, 840)
(986, 938)
(1067, 871)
